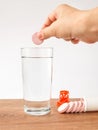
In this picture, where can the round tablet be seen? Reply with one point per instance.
(36, 39)
(63, 108)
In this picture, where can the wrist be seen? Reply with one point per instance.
(85, 26)
(80, 24)
(93, 20)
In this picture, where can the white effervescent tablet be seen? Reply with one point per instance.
(71, 105)
(36, 39)
(62, 108)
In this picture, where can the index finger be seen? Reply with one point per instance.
(50, 19)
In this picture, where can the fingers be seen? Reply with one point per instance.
(50, 19)
(45, 33)
(75, 40)
(48, 28)
(48, 32)
(38, 37)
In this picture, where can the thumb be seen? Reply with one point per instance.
(47, 32)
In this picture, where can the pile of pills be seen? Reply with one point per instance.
(66, 106)
(75, 106)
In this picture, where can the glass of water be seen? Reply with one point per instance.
(37, 79)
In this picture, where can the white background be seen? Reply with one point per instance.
(75, 66)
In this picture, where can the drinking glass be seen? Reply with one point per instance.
(37, 64)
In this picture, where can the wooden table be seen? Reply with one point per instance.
(12, 117)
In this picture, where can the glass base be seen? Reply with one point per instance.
(36, 111)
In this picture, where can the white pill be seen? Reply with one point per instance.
(62, 108)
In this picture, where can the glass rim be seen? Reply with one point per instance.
(37, 52)
(36, 48)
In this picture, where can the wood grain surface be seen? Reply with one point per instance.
(12, 117)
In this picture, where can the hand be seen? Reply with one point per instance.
(71, 24)
(59, 24)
